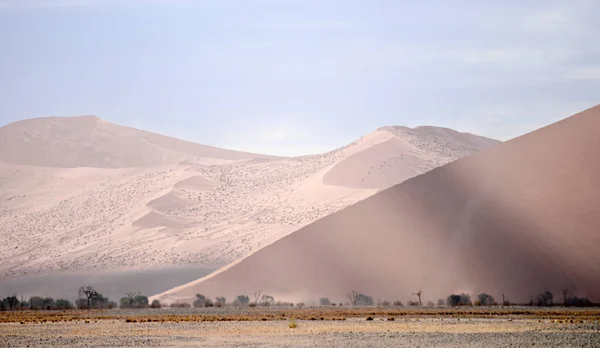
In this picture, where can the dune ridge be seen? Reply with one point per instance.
(81, 194)
(512, 220)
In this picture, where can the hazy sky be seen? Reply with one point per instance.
(300, 76)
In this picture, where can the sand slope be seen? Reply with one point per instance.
(145, 200)
(518, 218)
(89, 141)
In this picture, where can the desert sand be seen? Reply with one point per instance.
(514, 220)
(259, 327)
(83, 195)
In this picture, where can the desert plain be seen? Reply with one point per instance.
(314, 327)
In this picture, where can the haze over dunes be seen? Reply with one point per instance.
(82, 194)
(89, 141)
(516, 219)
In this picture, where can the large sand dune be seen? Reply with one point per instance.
(89, 141)
(516, 219)
(81, 194)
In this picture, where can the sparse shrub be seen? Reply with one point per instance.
(200, 301)
(155, 304)
(575, 301)
(180, 305)
(545, 299)
(267, 300)
(283, 304)
(252, 305)
(63, 304)
(220, 302)
(358, 299)
(293, 324)
(39, 303)
(81, 303)
(485, 300)
(141, 301)
(241, 300)
(384, 303)
(459, 300)
(364, 300)
(11, 303)
(398, 304)
(324, 301)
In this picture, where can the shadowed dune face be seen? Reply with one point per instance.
(88, 141)
(516, 219)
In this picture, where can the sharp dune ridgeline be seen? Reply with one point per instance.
(516, 219)
(82, 194)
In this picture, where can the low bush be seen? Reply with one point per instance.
(485, 300)
(241, 300)
(63, 304)
(455, 300)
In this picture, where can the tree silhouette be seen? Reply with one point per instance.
(418, 294)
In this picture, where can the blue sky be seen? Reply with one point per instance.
(296, 77)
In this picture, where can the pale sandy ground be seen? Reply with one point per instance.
(513, 220)
(82, 195)
(350, 333)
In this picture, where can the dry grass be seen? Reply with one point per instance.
(560, 315)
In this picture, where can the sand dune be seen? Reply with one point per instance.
(141, 200)
(89, 141)
(515, 219)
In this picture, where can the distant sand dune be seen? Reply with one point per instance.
(88, 141)
(516, 219)
(81, 194)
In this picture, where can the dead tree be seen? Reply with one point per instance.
(131, 297)
(353, 297)
(418, 294)
(566, 296)
(256, 296)
(89, 293)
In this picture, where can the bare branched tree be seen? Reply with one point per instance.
(418, 294)
(353, 297)
(256, 296)
(566, 295)
(131, 296)
(89, 293)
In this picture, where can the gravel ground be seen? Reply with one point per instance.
(350, 333)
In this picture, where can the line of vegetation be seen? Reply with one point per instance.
(90, 298)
